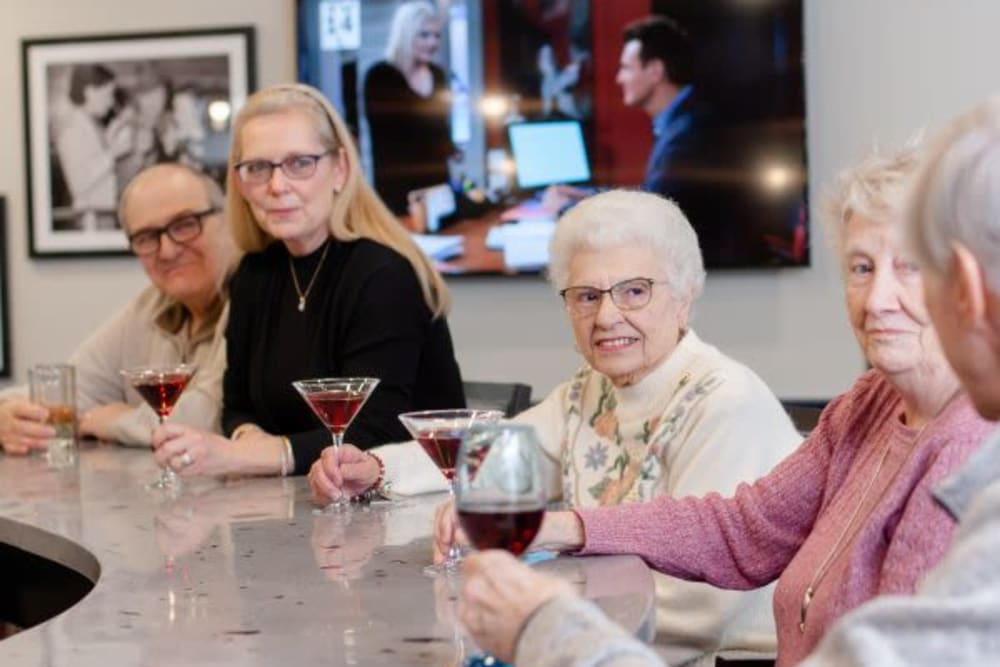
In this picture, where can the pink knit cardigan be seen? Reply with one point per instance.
(861, 461)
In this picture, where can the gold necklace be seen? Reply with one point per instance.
(841, 544)
(312, 281)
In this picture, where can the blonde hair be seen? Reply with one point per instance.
(357, 211)
(874, 188)
(956, 194)
(406, 23)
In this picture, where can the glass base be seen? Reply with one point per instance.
(451, 567)
(447, 569)
(168, 481)
(61, 453)
(339, 506)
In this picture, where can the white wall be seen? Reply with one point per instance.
(876, 69)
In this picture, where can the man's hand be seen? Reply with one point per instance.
(23, 427)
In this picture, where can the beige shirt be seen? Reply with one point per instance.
(151, 330)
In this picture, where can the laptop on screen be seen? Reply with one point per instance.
(548, 153)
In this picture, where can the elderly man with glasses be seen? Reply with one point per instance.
(172, 215)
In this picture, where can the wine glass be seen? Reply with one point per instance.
(440, 434)
(336, 401)
(500, 494)
(160, 387)
(499, 487)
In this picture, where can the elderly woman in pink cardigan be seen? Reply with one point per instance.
(846, 517)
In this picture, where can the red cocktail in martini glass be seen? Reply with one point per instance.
(440, 434)
(336, 401)
(160, 387)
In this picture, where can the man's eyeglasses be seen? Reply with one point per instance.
(181, 230)
(630, 294)
(296, 167)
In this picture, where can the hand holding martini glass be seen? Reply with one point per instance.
(160, 387)
(440, 434)
(336, 401)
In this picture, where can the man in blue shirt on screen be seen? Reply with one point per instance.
(656, 73)
(690, 146)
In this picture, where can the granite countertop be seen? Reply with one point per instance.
(244, 572)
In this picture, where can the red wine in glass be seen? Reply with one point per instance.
(162, 392)
(442, 446)
(336, 409)
(335, 402)
(440, 433)
(161, 387)
(500, 526)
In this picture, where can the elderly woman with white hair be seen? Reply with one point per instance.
(408, 106)
(846, 518)
(653, 411)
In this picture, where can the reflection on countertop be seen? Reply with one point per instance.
(244, 572)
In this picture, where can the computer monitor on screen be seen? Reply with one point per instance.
(548, 152)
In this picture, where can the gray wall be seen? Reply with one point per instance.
(876, 70)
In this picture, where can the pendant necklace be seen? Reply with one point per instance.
(312, 281)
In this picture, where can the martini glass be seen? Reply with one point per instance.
(160, 387)
(336, 401)
(440, 434)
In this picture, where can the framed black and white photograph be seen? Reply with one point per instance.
(100, 108)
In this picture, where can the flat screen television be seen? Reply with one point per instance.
(507, 68)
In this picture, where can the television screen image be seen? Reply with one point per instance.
(500, 101)
(548, 153)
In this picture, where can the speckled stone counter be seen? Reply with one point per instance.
(245, 573)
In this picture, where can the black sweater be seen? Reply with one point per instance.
(364, 316)
(410, 134)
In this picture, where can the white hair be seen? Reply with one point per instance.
(628, 218)
(874, 188)
(956, 195)
(406, 23)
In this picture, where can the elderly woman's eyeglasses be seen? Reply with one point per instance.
(630, 294)
(295, 167)
(181, 230)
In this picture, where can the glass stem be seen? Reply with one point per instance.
(168, 478)
(454, 558)
(337, 441)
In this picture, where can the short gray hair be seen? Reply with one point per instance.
(874, 188)
(213, 192)
(956, 194)
(406, 22)
(630, 218)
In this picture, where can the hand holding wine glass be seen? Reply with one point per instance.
(440, 434)
(342, 471)
(499, 594)
(500, 500)
(335, 402)
(161, 387)
(500, 491)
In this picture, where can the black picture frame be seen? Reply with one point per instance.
(4, 319)
(98, 108)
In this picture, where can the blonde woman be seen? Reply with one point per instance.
(407, 105)
(331, 285)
